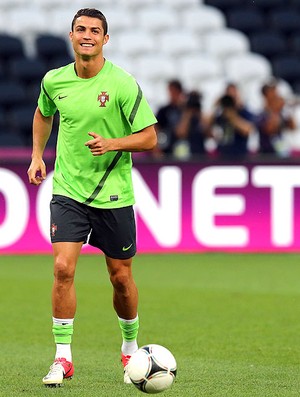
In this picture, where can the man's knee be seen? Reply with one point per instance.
(120, 279)
(63, 269)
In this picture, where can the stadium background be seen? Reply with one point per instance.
(203, 43)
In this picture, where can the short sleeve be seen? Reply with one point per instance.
(45, 103)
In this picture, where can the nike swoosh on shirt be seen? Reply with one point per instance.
(126, 248)
(62, 97)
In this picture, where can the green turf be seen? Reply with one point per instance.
(232, 322)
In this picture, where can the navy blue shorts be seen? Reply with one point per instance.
(113, 231)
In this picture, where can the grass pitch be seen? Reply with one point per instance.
(231, 321)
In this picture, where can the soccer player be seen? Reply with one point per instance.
(103, 118)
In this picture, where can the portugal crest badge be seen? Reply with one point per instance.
(103, 98)
(53, 229)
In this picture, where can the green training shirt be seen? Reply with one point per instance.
(110, 104)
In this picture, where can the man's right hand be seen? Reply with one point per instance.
(36, 172)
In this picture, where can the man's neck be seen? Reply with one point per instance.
(87, 68)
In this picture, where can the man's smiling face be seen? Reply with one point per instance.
(88, 37)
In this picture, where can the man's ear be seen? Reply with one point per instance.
(106, 39)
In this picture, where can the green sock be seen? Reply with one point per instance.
(129, 329)
(62, 333)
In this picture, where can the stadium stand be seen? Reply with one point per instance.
(287, 67)
(27, 70)
(134, 43)
(155, 68)
(218, 40)
(12, 93)
(49, 47)
(247, 21)
(203, 19)
(178, 43)
(271, 27)
(269, 43)
(182, 5)
(2, 71)
(294, 3)
(2, 121)
(20, 121)
(225, 42)
(267, 5)
(9, 139)
(223, 5)
(295, 44)
(286, 20)
(10, 47)
(194, 70)
(249, 66)
(26, 20)
(157, 19)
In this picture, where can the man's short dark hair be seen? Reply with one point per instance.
(92, 13)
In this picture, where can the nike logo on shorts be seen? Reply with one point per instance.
(127, 248)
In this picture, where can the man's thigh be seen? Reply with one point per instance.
(69, 220)
(114, 231)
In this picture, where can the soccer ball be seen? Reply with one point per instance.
(152, 369)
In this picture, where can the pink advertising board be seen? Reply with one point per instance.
(181, 207)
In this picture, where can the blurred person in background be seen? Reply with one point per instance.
(168, 117)
(232, 126)
(191, 130)
(274, 120)
(232, 89)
